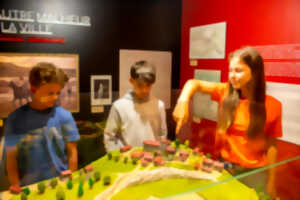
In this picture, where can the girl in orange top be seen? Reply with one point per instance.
(249, 120)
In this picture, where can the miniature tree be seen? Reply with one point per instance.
(134, 161)
(53, 182)
(208, 155)
(187, 143)
(80, 189)
(109, 156)
(155, 153)
(117, 157)
(177, 143)
(97, 176)
(60, 194)
(91, 182)
(106, 180)
(23, 196)
(26, 191)
(41, 187)
(170, 157)
(125, 159)
(69, 184)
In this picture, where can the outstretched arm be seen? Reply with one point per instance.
(72, 156)
(181, 111)
(12, 165)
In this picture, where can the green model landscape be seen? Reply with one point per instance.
(107, 170)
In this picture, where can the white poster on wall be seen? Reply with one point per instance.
(101, 92)
(208, 41)
(289, 96)
(163, 63)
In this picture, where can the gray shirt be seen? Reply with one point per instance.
(132, 121)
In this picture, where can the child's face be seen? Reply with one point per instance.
(239, 73)
(141, 89)
(47, 94)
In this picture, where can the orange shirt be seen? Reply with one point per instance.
(238, 148)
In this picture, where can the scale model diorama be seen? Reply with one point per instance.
(157, 170)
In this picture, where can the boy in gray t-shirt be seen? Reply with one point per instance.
(137, 116)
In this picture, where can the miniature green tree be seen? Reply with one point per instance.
(125, 159)
(53, 182)
(117, 157)
(208, 155)
(134, 161)
(106, 180)
(187, 143)
(26, 190)
(177, 143)
(80, 189)
(97, 176)
(23, 196)
(69, 184)
(60, 194)
(91, 182)
(41, 187)
(109, 156)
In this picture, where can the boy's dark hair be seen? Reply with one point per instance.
(143, 71)
(43, 73)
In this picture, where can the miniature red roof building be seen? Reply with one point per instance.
(137, 155)
(197, 166)
(170, 149)
(208, 162)
(165, 141)
(183, 153)
(148, 156)
(196, 150)
(144, 162)
(158, 161)
(218, 165)
(206, 169)
(66, 173)
(125, 148)
(15, 189)
(151, 143)
(88, 168)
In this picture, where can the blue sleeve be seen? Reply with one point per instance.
(69, 127)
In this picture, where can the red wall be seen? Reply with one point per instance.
(267, 22)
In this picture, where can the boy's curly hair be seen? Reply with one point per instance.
(44, 72)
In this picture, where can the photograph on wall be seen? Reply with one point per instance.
(15, 87)
(162, 60)
(208, 41)
(203, 106)
(101, 92)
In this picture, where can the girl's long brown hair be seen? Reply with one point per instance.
(254, 60)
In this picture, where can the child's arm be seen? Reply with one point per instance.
(181, 111)
(12, 165)
(271, 156)
(72, 156)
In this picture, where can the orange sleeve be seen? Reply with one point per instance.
(218, 93)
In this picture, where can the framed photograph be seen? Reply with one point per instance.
(101, 90)
(208, 41)
(14, 84)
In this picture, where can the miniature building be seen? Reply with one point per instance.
(206, 169)
(183, 155)
(208, 162)
(196, 151)
(15, 189)
(197, 166)
(88, 168)
(125, 148)
(158, 161)
(170, 150)
(144, 163)
(137, 155)
(148, 157)
(66, 174)
(219, 166)
(164, 144)
(151, 146)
